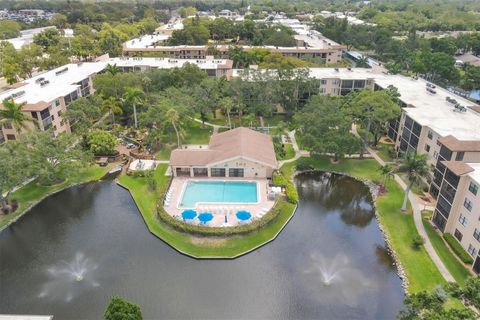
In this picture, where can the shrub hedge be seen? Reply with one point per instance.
(209, 231)
(292, 194)
(140, 173)
(279, 180)
(457, 248)
(303, 164)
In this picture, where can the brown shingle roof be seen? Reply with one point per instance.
(239, 142)
(453, 144)
(475, 108)
(29, 107)
(457, 167)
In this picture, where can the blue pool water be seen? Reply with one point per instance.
(218, 192)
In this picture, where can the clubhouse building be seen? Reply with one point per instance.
(237, 153)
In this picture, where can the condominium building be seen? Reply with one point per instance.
(47, 96)
(329, 53)
(458, 206)
(213, 67)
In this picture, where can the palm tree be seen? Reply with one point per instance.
(173, 117)
(387, 172)
(133, 96)
(13, 114)
(227, 104)
(111, 106)
(112, 69)
(146, 83)
(362, 62)
(415, 166)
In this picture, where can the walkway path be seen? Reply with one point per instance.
(298, 153)
(417, 218)
(215, 127)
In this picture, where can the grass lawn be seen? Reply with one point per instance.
(417, 188)
(400, 227)
(222, 120)
(163, 154)
(289, 152)
(213, 247)
(195, 134)
(298, 138)
(33, 192)
(383, 151)
(275, 119)
(458, 271)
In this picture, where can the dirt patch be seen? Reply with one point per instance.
(386, 140)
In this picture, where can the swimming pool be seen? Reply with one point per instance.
(218, 192)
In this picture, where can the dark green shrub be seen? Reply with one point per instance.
(292, 195)
(303, 164)
(417, 242)
(151, 181)
(139, 173)
(14, 204)
(279, 179)
(235, 230)
(457, 248)
(121, 309)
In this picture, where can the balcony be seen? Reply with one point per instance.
(47, 123)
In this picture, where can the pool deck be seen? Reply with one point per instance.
(220, 210)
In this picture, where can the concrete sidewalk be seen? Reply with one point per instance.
(298, 153)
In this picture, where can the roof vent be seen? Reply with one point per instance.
(431, 90)
(336, 69)
(429, 85)
(459, 108)
(18, 94)
(59, 72)
(451, 100)
(44, 83)
(39, 80)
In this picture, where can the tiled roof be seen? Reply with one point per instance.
(453, 144)
(239, 142)
(458, 167)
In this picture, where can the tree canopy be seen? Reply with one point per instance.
(101, 142)
(325, 125)
(121, 309)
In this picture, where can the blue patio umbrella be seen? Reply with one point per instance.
(189, 214)
(243, 215)
(205, 217)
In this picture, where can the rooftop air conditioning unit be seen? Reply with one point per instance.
(18, 94)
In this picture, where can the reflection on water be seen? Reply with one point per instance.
(340, 195)
(79, 247)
